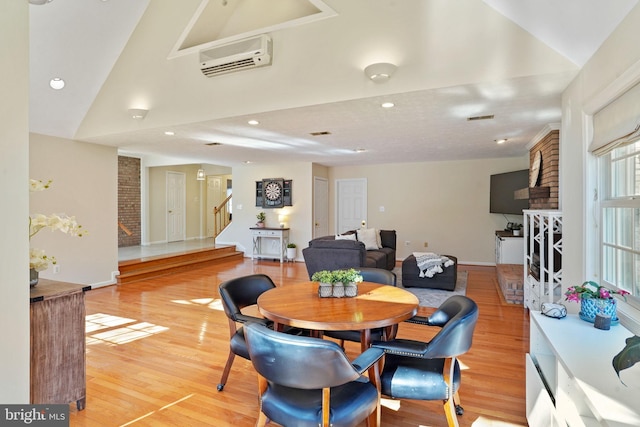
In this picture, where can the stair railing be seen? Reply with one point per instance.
(221, 216)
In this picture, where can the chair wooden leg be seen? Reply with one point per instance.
(449, 404)
(227, 369)
(262, 420)
(450, 412)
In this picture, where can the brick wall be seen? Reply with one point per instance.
(129, 201)
(549, 146)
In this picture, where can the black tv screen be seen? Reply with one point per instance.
(503, 186)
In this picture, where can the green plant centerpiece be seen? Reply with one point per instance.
(350, 278)
(291, 245)
(325, 279)
(337, 283)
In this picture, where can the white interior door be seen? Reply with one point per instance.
(351, 204)
(176, 193)
(320, 207)
(214, 198)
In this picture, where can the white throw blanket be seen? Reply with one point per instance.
(430, 263)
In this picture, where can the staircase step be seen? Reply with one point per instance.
(161, 265)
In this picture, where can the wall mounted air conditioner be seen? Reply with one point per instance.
(238, 55)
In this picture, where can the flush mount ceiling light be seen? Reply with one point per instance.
(138, 113)
(380, 72)
(501, 141)
(253, 122)
(359, 150)
(387, 105)
(56, 83)
(40, 2)
(200, 175)
(169, 133)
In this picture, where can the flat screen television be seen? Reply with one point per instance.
(503, 185)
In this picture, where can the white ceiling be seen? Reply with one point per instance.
(455, 60)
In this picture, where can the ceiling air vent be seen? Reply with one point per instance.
(235, 56)
(489, 117)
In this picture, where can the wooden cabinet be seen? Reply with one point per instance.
(58, 370)
(269, 243)
(570, 380)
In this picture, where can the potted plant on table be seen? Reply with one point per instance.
(597, 304)
(261, 217)
(350, 278)
(325, 281)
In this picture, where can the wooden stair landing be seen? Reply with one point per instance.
(161, 265)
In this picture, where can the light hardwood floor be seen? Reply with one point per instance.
(156, 350)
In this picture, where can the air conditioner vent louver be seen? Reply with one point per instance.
(240, 55)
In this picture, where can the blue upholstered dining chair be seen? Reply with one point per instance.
(310, 382)
(430, 370)
(374, 275)
(236, 294)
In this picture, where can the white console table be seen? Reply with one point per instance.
(570, 378)
(269, 242)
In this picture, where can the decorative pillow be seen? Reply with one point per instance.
(368, 237)
(345, 237)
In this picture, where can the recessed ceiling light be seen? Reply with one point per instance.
(246, 162)
(501, 141)
(253, 122)
(56, 83)
(320, 133)
(138, 113)
(359, 150)
(388, 105)
(170, 133)
(213, 144)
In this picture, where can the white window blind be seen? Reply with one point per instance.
(618, 123)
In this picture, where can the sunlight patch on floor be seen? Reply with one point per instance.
(486, 422)
(120, 335)
(212, 303)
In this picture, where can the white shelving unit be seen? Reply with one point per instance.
(570, 379)
(542, 257)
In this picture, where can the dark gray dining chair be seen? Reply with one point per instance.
(430, 370)
(237, 294)
(310, 382)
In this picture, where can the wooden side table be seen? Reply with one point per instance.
(58, 369)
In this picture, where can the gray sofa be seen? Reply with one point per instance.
(327, 253)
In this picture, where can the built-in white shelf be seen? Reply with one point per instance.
(570, 377)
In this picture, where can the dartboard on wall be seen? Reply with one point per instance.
(273, 193)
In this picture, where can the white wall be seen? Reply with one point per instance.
(14, 175)
(85, 178)
(593, 88)
(299, 215)
(443, 203)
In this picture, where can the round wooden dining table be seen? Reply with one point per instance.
(376, 306)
